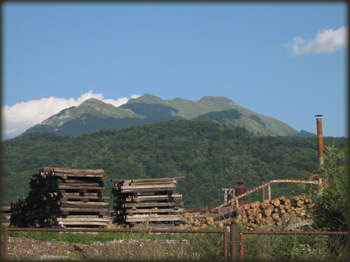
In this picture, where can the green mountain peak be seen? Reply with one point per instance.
(94, 114)
(147, 99)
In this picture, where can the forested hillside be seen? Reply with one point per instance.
(209, 155)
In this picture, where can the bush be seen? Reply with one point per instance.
(331, 209)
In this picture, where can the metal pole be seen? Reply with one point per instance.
(269, 192)
(225, 245)
(320, 138)
(241, 247)
(263, 192)
(5, 244)
(233, 241)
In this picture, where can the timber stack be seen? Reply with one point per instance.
(277, 212)
(151, 201)
(69, 198)
(5, 216)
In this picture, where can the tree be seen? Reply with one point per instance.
(331, 209)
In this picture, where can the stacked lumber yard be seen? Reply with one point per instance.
(63, 197)
(277, 212)
(5, 216)
(151, 201)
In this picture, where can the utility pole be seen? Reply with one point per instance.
(320, 139)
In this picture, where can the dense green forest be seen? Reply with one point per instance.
(210, 155)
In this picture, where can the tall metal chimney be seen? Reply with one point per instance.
(320, 138)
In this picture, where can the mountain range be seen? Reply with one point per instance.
(93, 115)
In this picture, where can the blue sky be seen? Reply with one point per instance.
(286, 61)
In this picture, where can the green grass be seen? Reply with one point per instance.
(197, 246)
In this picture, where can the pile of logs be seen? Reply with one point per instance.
(151, 201)
(278, 212)
(63, 197)
(272, 212)
(5, 216)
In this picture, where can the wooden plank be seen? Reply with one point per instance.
(81, 210)
(77, 194)
(131, 219)
(157, 179)
(137, 211)
(83, 204)
(5, 208)
(156, 186)
(83, 219)
(80, 198)
(82, 215)
(5, 217)
(148, 179)
(147, 188)
(80, 179)
(152, 204)
(86, 223)
(72, 170)
(78, 187)
(171, 197)
(80, 184)
(133, 183)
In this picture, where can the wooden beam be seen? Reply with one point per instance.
(84, 204)
(83, 223)
(72, 170)
(82, 219)
(78, 187)
(149, 179)
(146, 211)
(171, 197)
(152, 204)
(80, 210)
(135, 218)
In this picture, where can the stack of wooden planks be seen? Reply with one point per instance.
(151, 201)
(64, 197)
(5, 216)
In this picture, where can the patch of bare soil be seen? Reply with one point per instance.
(27, 248)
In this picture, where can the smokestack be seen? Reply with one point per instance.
(320, 138)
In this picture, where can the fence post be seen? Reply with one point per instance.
(233, 241)
(263, 192)
(5, 244)
(241, 247)
(225, 244)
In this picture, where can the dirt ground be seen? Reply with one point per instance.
(27, 248)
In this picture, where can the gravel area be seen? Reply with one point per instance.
(27, 248)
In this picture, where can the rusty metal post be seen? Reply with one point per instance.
(263, 192)
(5, 244)
(233, 241)
(241, 246)
(269, 192)
(320, 138)
(225, 245)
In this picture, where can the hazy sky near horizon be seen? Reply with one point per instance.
(286, 61)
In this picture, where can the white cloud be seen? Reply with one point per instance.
(327, 41)
(21, 116)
